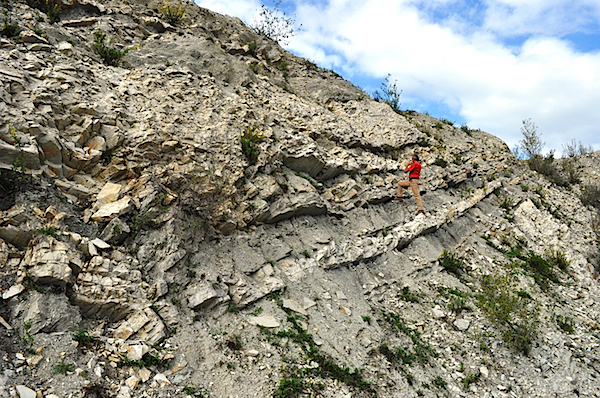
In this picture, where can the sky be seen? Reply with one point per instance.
(488, 64)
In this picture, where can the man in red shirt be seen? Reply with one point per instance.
(414, 170)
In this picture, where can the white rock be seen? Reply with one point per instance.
(294, 306)
(132, 382)
(25, 392)
(136, 352)
(462, 324)
(162, 380)
(252, 353)
(99, 243)
(13, 291)
(266, 321)
(484, 372)
(111, 210)
(308, 303)
(144, 374)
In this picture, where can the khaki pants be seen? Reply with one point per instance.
(414, 184)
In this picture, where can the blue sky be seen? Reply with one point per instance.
(489, 64)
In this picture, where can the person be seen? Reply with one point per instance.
(414, 170)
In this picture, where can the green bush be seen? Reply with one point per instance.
(451, 262)
(110, 55)
(512, 313)
(440, 162)
(10, 29)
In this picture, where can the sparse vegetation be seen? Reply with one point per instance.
(250, 140)
(532, 143)
(171, 13)
(513, 314)
(573, 149)
(194, 392)
(64, 368)
(10, 29)
(451, 263)
(110, 55)
(274, 24)
(389, 94)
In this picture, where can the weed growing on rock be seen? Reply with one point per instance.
(293, 383)
(110, 55)
(406, 295)
(52, 11)
(250, 140)
(451, 263)
(565, 323)
(422, 351)
(148, 360)
(471, 378)
(506, 202)
(590, 196)
(64, 368)
(513, 314)
(441, 162)
(81, 336)
(194, 392)
(171, 13)
(10, 29)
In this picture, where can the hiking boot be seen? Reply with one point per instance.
(398, 198)
(420, 212)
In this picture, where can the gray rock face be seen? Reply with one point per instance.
(180, 205)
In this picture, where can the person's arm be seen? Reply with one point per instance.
(409, 167)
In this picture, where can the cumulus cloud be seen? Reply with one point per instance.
(463, 55)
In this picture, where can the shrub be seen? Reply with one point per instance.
(172, 14)
(440, 162)
(545, 165)
(507, 202)
(590, 196)
(250, 140)
(274, 24)
(110, 55)
(10, 29)
(451, 263)
(572, 149)
(512, 313)
(389, 94)
(52, 11)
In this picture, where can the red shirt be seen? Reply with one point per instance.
(415, 170)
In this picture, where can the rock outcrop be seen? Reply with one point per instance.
(214, 216)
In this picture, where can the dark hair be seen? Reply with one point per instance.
(415, 157)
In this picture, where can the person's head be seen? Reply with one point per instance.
(415, 157)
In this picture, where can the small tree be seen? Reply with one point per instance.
(532, 143)
(389, 93)
(274, 24)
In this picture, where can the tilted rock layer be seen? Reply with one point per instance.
(213, 217)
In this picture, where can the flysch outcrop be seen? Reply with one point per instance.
(213, 216)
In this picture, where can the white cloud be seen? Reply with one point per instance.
(442, 52)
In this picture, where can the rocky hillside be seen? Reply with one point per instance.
(188, 209)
